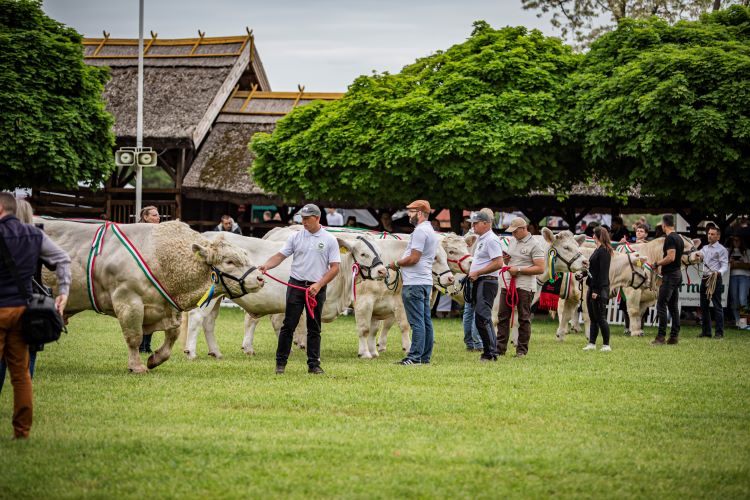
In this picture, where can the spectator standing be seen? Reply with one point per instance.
(228, 224)
(525, 260)
(619, 231)
(416, 273)
(669, 291)
(641, 233)
(351, 221)
(598, 289)
(739, 278)
(334, 218)
(386, 222)
(715, 263)
(148, 215)
(315, 262)
(26, 245)
(484, 273)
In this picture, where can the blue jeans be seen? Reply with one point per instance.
(471, 334)
(417, 305)
(32, 364)
(739, 286)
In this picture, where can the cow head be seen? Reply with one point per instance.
(564, 249)
(691, 255)
(237, 275)
(366, 256)
(441, 273)
(457, 252)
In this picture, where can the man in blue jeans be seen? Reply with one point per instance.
(416, 273)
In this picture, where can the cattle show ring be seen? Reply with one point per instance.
(488, 250)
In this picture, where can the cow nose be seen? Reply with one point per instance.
(382, 272)
(451, 279)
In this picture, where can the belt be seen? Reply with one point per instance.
(301, 282)
(490, 278)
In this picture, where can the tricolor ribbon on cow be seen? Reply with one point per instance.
(97, 245)
(552, 255)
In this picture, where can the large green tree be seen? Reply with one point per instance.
(53, 124)
(667, 107)
(470, 125)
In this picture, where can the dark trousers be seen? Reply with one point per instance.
(295, 305)
(486, 291)
(522, 317)
(16, 353)
(669, 296)
(598, 315)
(712, 308)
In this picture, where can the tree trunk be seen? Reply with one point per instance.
(717, 5)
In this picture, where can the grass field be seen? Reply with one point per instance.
(640, 421)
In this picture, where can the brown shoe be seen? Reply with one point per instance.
(659, 340)
(315, 370)
(673, 340)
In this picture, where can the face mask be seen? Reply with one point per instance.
(414, 220)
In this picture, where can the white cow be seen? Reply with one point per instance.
(272, 299)
(120, 268)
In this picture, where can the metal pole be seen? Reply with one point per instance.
(139, 119)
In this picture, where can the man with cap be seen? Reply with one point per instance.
(524, 259)
(484, 273)
(416, 273)
(315, 262)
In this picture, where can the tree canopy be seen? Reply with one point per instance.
(473, 124)
(54, 125)
(667, 107)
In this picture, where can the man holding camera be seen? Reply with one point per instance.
(26, 245)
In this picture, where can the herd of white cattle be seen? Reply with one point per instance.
(121, 276)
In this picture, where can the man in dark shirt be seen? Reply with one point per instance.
(619, 231)
(669, 291)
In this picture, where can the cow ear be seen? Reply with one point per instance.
(202, 253)
(697, 243)
(344, 246)
(549, 237)
(470, 239)
(580, 238)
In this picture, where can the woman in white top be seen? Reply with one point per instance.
(739, 277)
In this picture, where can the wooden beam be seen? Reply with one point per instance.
(301, 91)
(150, 43)
(201, 34)
(103, 42)
(291, 95)
(249, 96)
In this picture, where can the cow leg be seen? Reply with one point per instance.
(403, 324)
(165, 351)
(563, 316)
(384, 326)
(363, 318)
(635, 308)
(251, 323)
(193, 320)
(209, 327)
(129, 312)
(371, 346)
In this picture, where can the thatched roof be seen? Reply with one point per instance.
(186, 83)
(220, 171)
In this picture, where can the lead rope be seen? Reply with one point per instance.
(310, 301)
(511, 295)
(711, 281)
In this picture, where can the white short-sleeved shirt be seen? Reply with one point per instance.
(335, 219)
(424, 240)
(313, 254)
(488, 248)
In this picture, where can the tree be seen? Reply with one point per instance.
(668, 108)
(53, 123)
(585, 20)
(470, 125)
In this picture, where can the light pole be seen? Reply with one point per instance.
(139, 118)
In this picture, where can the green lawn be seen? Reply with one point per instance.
(637, 422)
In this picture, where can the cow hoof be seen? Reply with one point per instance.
(303, 348)
(151, 362)
(249, 352)
(381, 349)
(138, 369)
(215, 355)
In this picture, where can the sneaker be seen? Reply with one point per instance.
(519, 355)
(280, 369)
(659, 340)
(315, 370)
(673, 340)
(590, 347)
(407, 362)
(719, 336)
(704, 336)
(482, 359)
(605, 348)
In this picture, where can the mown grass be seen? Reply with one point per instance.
(637, 422)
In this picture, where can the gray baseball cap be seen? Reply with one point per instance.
(310, 209)
(479, 217)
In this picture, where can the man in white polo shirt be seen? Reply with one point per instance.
(416, 273)
(484, 272)
(315, 262)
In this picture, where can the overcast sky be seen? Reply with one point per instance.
(322, 44)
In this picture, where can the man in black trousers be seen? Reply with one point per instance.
(669, 291)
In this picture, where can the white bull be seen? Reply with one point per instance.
(272, 299)
(180, 260)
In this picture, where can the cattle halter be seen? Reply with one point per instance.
(241, 280)
(376, 261)
(458, 261)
